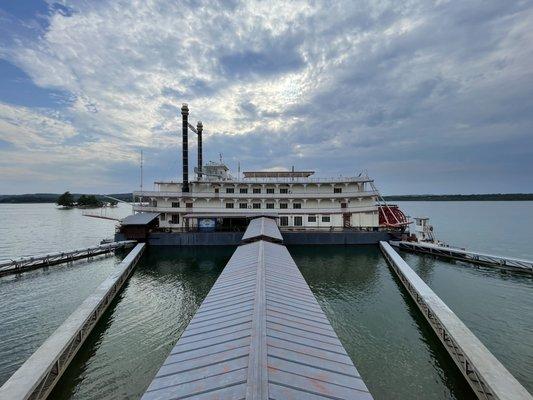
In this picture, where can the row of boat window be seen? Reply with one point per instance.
(268, 190)
(283, 221)
(268, 205)
(176, 204)
(298, 220)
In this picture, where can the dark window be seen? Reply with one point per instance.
(297, 221)
(283, 205)
(343, 205)
(162, 217)
(257, 190)
(188, 205)
(256, 205)
(175, 219)
(311, 218)
(337, 190)
(284, 190)
(297, 205)
(230, 190)
(283, 221)
(217, 190)
(270, 205)
(270, 190)
(243, 190)
(229, 205)
(243, 205)
(154, 203)
(326, 218)
(175, 204)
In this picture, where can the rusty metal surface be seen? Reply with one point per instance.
(259, 334)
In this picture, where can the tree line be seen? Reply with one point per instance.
(85, 201)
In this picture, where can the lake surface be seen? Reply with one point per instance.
(395, 351)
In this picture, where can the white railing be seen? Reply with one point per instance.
(255, 196)
(226, 211)
(274, 180)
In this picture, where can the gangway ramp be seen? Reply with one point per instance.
(259, 334)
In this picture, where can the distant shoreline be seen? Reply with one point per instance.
(463, 197)
(52, 197)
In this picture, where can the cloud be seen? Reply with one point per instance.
(336, 87)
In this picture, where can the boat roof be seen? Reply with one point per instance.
(143, 218)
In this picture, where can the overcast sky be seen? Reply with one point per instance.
(429, 97)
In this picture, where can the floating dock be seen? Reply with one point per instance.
(36, 378)
(27, 263)
(485, 374)
(259, 334)
(508, 263)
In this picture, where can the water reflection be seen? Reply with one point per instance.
(135, 335)
(394, 349)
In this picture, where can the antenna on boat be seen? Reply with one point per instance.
(141, 198)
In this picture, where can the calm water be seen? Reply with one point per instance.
(393, 348)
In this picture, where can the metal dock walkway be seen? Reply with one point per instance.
(22, 264)
(259, 334)
(508, 263)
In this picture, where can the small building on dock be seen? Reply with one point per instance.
(138, 226)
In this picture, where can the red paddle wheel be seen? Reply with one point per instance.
(391, 216)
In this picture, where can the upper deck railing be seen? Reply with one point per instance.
(293, 195)
(281, 180)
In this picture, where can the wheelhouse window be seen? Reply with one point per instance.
(230, 190)
(311, 218)
(283, 205)
(284, 221)
(297, 205)
(256, 205)
(230, 205)
(270, 190)
(257, 190)
(175, 204)
(243, 190)
(337, 190)
(297, 221)
(270, 205)
(243, 205)
(326, 218)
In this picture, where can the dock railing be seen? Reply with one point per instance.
(21, 264)
(509, 263)
(485, 374)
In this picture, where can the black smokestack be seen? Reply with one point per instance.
(185, 147)
(199, 128)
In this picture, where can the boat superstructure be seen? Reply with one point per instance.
(216, 200)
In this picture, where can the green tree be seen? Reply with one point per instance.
(65, 200)
(89, 201)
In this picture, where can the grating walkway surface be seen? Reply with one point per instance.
(259, 334)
